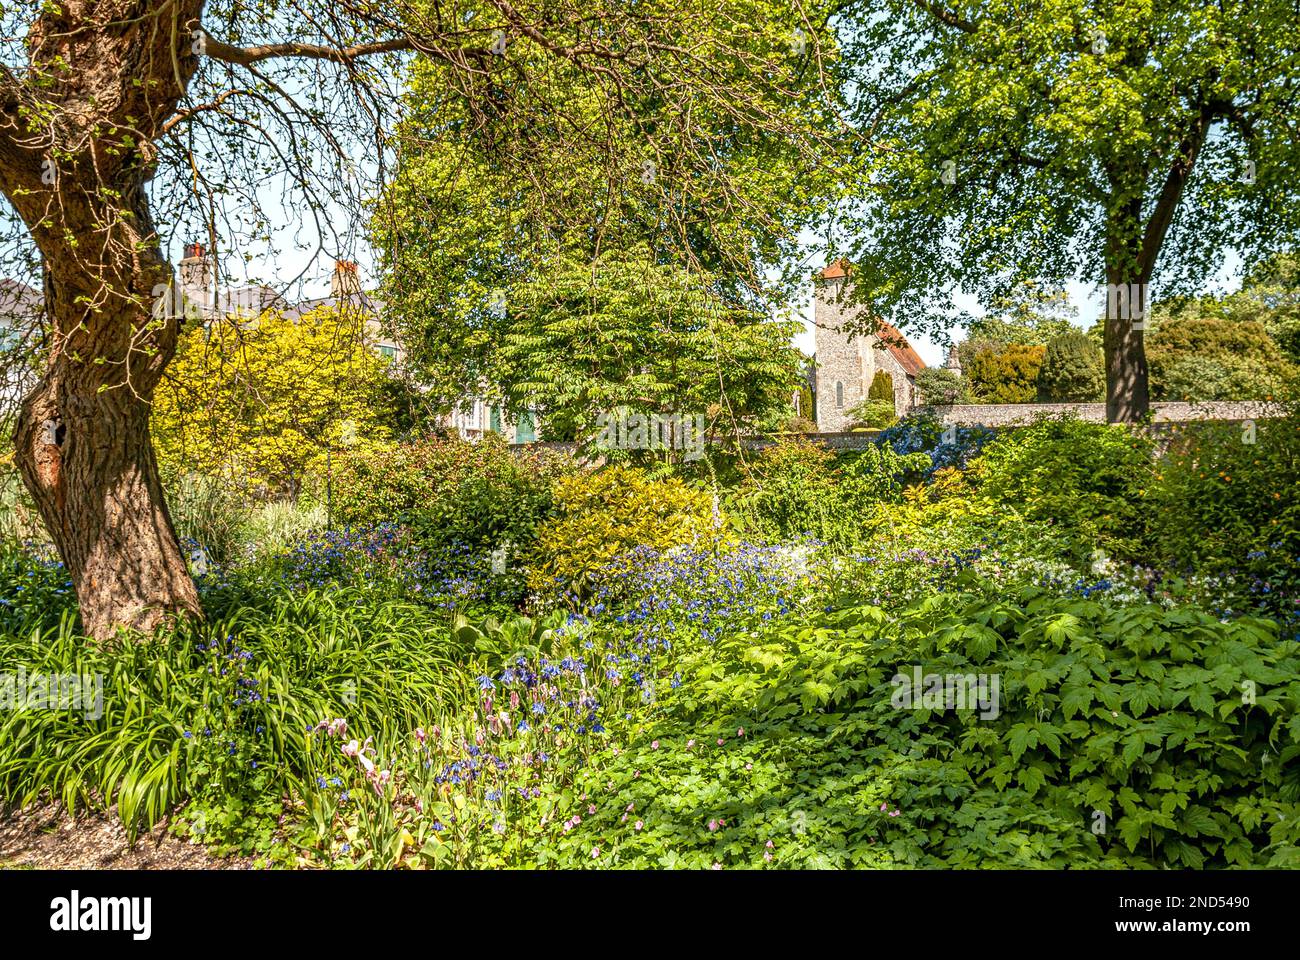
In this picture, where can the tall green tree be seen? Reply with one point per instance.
(1002, 373)
(508, 286)
(1072, 370)
(1196, 356)
(1134, 143)
(623, 333)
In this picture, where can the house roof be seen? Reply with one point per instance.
(894, 341)
(836, 270)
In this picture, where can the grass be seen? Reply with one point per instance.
(222, 708)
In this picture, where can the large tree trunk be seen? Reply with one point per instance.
(1127, 389)
(82, 439)
(1132, 248)
(1127, 276)
(87, 458)
(108, 74)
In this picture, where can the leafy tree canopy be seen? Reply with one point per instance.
(1131, 144)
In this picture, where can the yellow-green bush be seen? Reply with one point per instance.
(598, 515)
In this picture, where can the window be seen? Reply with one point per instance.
(526, 428)
(388, 352)
(494, 419)
(839, 394)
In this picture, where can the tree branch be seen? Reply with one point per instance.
(1172, 191)
(946, 17)
(247, 56)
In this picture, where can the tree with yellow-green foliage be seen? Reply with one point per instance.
(258, 403)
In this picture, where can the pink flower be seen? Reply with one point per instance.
(336, 728)
(717, 866)
(436, 731)
(740, 731)
(767, 855)
(689, 744)
(713, 825)
(721, 741)
(654, 744)
(420, 735)
(769, 844)
(640, 824)
(894, 813)
(595, 852)
(624, 819)
(884, 806)
(351, 748)
(591, 810)
(631, 807)
(749, 766)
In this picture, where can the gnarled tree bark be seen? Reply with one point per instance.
(105, 76)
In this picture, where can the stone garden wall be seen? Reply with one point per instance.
(1009, 414)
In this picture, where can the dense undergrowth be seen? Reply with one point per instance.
(1115, 616)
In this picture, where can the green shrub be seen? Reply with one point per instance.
(1073, 371)
(1211, 358)
(877, 414)
(792, 492)
(1222, 502)
(1087, 479)
(799, 489)
(940, 386)
(450, 491)
(1119, 737)
(1002, 373)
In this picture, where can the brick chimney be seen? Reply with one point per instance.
(196, 275)
(344, 282)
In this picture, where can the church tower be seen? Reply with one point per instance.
(846, 364)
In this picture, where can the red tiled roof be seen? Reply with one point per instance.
(836, 270)
(894, 341)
